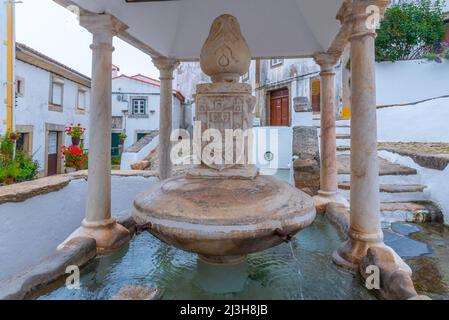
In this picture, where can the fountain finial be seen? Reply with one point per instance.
(225, 55)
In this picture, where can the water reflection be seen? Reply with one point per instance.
(300, 270)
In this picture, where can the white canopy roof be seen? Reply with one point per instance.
(178, 29)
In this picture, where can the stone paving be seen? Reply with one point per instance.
(31, 230)
(414, 228)
(386, 168)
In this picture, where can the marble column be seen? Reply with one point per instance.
(166, 67)
(98, 223)
(365, 229)
(328, 169)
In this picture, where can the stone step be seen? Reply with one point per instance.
(343, 136)
(410, 179)
(391, 212)
(390, 188)
(343, 148)
(386, 168)
(394, 197)
(411, 211)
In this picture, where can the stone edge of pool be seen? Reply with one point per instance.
(398, 285)
(83, 250)
(79, 252)
(20, 192)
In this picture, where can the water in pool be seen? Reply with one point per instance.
(300, 270)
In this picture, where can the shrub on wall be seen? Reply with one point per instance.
(21, 169)
(411, 30)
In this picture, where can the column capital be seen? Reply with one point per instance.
(362, 16)
(165, 66)
(326, 61)
(102, 24)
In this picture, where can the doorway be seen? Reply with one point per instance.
(52, 161)
(315, 88)
(115, 144)
(279, 108)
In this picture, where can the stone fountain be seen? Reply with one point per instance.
(224, 210)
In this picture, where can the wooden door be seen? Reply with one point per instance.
(315, 88)
(279, 108)
(52, 161)
(115, 144)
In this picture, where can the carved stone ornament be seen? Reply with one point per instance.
(224, 210)
(225, 104)
(225, 56)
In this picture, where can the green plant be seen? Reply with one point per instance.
(7, 144)
(22, 168)
(446, 54)
(115, 160)
(122, 136)
(431, 56)
(410, 30)
(74, 157)
(28, 169)
(75, 131)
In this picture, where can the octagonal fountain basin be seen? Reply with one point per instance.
(222, 219)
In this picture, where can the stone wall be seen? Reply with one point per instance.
(307, 159)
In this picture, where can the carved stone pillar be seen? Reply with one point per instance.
(328, 169)
(166, 67)
(365, 229)
(98, 223)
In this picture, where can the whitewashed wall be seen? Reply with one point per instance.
(131, 87)
(424, 122)
(32, 108)
(411, 81)
(435, 180)
(278, 141)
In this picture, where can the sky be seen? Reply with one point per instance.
(54, 31)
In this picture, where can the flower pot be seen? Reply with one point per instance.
(121, 142)
(76, 141)
(8, 180)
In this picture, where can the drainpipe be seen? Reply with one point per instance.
(10, 66)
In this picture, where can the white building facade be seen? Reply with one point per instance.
(289, 85)
(135, 109)
(49, 97)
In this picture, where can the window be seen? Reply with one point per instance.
(139, 106)
(81, 99)
(117, 123)
(276, 62)
(56, 91)
(20, 86)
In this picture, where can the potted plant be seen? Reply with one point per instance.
(7, 147)
(122, 137)
(75, 132)
(74, 158)
(14, 136)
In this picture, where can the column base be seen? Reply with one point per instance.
(108, 234)
(324, 198)
(350, 254)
